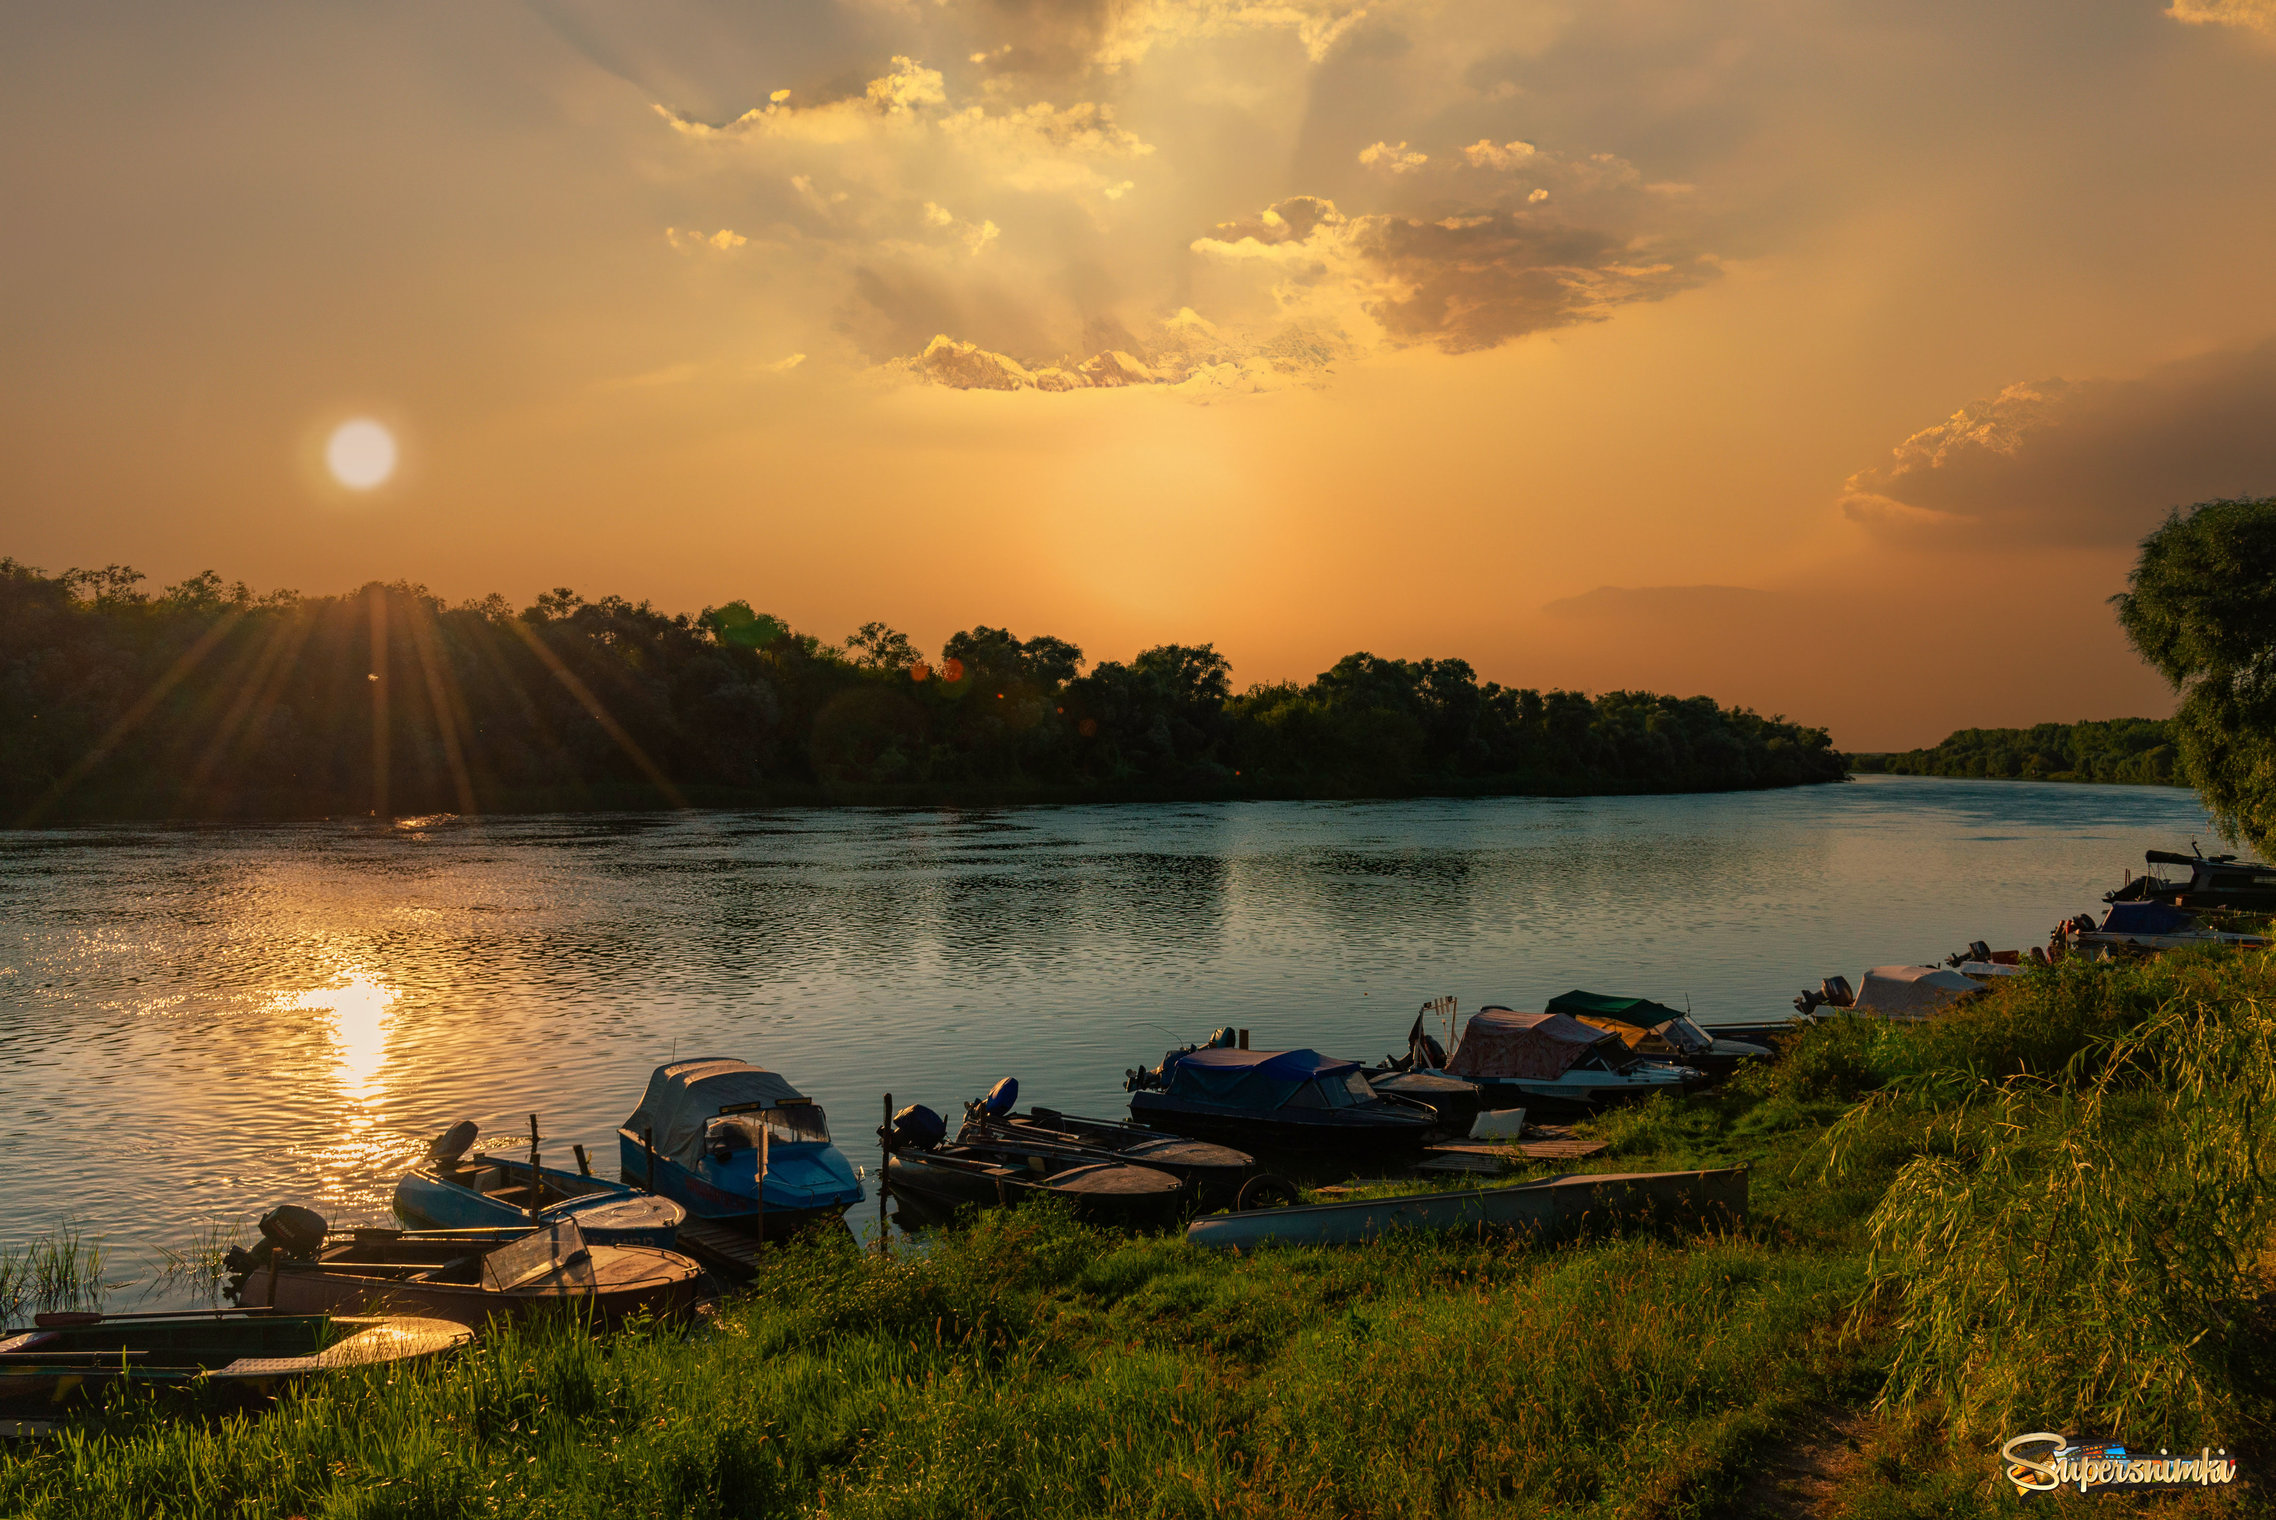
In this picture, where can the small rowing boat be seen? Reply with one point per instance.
(255, 1350)
(938, 1177)
(1213, 1173)
(449, 1191)
(472, 1278)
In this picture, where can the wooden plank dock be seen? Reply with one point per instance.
(1491, 1158)
(726, 1252)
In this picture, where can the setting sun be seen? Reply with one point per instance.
(360, 454)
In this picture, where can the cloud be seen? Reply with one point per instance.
(1392, 157)
(2090, 462)
(687, 239)
(1483, 154)
(2259, 15)
(1460, 282)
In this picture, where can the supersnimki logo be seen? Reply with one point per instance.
(2041, 1462)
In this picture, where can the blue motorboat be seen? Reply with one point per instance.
(730, 1141)
(452, 1191)
(1296, 1106)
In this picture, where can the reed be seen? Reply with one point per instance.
(62, 1269)
(197, 1263)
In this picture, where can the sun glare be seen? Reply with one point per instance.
(360, 454)
(360, 1004)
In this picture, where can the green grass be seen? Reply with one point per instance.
(62, 1269)
(1920, 1273)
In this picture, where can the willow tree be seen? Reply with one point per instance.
(2203, 612)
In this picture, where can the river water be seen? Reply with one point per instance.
(196, 1024)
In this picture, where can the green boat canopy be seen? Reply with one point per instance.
(1641, 1012)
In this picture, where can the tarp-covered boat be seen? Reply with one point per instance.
(451, 1192)
(1912, 992)
(1553, 1059)
(255, 1350)
(724, 1138)
(1297, 1106)
(2153, 926)
(1657, 1031)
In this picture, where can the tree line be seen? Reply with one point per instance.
(205, 701)
(2132, 751)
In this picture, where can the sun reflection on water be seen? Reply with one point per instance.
(361, 1005)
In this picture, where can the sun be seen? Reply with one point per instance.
(360, 454)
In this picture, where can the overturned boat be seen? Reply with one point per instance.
(474, 1277)
(251, 1349)
(1213, 1174)
(727, 1140)
(449, 1191)
(933, 1177)
(1297, 1107)
(1552, 1209)
(1658, 1032)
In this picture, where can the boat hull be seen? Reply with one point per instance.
(1213, 1174)
(1285, 1139)
(1113, 1194)
(624, 1281)
(607, 1213)
(787, 1210)
(1554, 1209)
(254, 1350)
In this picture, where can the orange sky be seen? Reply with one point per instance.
(1828, 359)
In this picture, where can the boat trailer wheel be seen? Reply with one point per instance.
(1266, 1192)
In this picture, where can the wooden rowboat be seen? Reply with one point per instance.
(251, 1349)
(473, 1278)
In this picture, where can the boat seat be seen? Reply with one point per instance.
(442, 1273)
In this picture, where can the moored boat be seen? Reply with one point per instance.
(924, 1168)
(448, 1191)
(251, 1349)
(472, 1278)
(1556, 1062)
(1297, 1108)
(728, 1140)
(1658, 1032)
(1214, 1174)
(2215, 881)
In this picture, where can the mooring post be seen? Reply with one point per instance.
(536, 1189)
(648, 1143)
(884, 1162)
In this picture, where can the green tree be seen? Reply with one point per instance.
(2202, 611)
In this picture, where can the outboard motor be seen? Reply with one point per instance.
(452, 1143)
(1000, 1099)
(916, 1128)
(295, 1231)
(1833, 992)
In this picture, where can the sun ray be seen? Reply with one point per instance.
(592, 704)
(442, 699)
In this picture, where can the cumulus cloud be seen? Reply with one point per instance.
(1461, 282)
(1484, 154)
(687, 239)
(1392, 157)
(2095, 462)
(2259, 15)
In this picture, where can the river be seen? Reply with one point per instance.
(198, 1023)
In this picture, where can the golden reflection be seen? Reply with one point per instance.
(361, 1005)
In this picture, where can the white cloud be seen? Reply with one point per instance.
(2259, 15)
(687, 239)
(1393, 157)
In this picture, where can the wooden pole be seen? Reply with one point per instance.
(536, 1192)
(584, 1164)
(648, 1144)
(884, 1162)
(765, 1130)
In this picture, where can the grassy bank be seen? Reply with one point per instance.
(2046, 1211)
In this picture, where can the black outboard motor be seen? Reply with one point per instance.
(1833, 992)
(915, 1128)
(452, 1143)
(297, 1232)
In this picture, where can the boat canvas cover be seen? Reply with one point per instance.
(1912, 991)
(1254, 1079)
(2147, 918)
(1537, 1047)
(684, 1095)
(1641, 1012)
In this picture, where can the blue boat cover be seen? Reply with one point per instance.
(1253, 1079)
(2147, 918)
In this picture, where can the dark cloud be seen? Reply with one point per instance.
(2096, 462)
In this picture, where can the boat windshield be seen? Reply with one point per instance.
(1346, 1089)
(790, 1123)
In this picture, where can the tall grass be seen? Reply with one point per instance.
(2080, 1238)
(62, 1269)
(197, 1264)
(1026, 1366)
